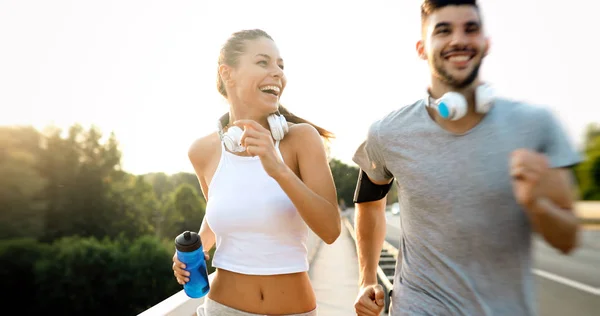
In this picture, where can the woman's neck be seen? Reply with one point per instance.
(238, 114)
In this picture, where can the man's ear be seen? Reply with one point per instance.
(487, 46)
(421, 50)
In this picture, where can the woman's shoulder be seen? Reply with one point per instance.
(203, 149)
(303, 133)
(304, 140)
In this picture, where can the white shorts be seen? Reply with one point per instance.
(212, 308)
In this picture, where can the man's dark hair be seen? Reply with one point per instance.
(429, 6)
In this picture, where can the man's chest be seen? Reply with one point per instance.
(457, 176)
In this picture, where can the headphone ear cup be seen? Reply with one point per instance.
(452, 106)
(278, 126)
(484, 98)
(284, 125)
(232, 138)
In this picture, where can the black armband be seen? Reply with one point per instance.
(367, 191)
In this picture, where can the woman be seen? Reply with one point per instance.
(263, 193)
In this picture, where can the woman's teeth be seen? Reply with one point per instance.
(270, 89)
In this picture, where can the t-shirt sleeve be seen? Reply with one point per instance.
(370, 158)
(556, 145)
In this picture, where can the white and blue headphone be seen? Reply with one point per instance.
(232, 137)
(453, 105)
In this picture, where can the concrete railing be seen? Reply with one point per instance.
(179, 304)
(588, 212)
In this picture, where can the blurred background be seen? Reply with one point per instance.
(100, 101)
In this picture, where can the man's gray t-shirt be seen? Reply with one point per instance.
(465, 243)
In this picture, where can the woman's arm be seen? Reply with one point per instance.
(313, 193)
(198, 162)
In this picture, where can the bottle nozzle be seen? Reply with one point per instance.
(187, 235)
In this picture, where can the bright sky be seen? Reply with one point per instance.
(146, 69)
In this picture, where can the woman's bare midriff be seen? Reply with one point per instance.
(263, 294)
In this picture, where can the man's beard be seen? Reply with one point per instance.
(445, 77)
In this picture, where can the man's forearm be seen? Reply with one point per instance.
(370, 226)
(558, 227)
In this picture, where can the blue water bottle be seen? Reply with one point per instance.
(190, 252)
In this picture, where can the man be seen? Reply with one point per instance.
(473, 185)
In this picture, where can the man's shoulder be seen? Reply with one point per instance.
(524, 109)
(399, 117)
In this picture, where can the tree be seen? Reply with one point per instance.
(78, 169)
(344, 177)
(588, 172)
(164, 184)
(134, 208)
(91, 276)
(185, 210)
(20, 184)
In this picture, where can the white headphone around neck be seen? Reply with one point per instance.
(453, 106)
(232, 137)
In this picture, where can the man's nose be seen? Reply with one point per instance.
(459, 38)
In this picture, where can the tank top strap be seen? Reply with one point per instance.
(224, 153)
(277, 148)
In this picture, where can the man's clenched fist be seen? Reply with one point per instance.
(370, 301)
(527, 169)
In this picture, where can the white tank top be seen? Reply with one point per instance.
(257, 227)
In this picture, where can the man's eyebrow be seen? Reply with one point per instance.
(472, 23)
(441, 24)
(467, 24)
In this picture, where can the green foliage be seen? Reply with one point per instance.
(134, 206)
(345, 177)
(76, 276)
(184, 210)
(588, 172)
(164, 184)
(78, 169)
(18, 258)
(20, 183)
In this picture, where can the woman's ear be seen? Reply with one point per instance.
(225, 73)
